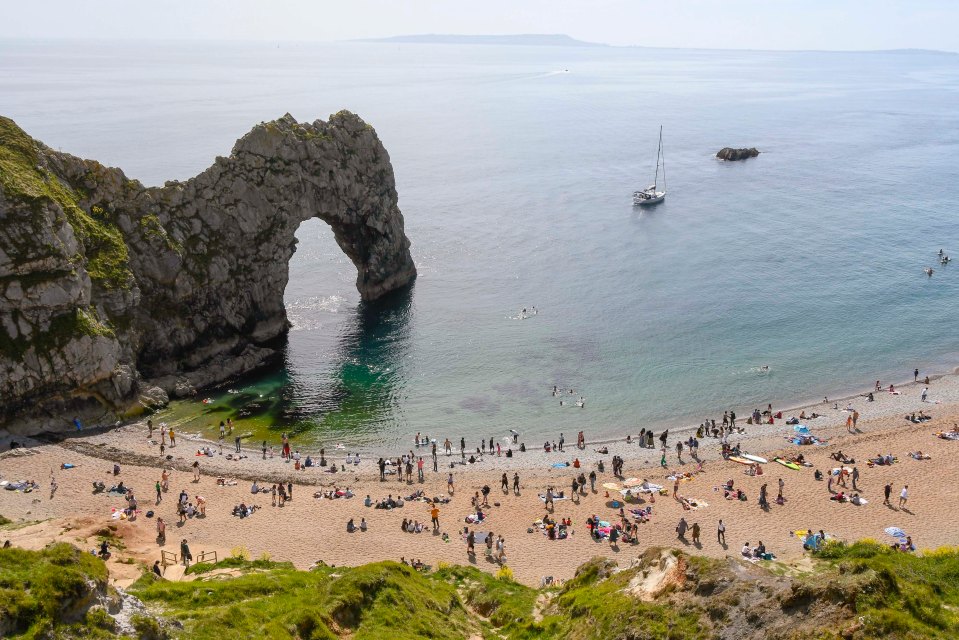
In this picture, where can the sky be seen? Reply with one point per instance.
(725, 24)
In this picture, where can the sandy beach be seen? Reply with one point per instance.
(310, 529)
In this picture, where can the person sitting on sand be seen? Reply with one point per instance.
(350, 527)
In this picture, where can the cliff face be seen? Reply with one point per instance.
(112, 292)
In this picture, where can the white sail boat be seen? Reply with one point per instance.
(651, 194)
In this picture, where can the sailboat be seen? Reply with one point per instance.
(651, 194)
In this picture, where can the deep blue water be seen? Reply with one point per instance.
(515, 179)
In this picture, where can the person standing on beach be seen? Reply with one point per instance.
(695, 530)
(925, 392)
(159, 493)
(732, 419)
(449, 483)
(516, 483)
(435, 516)
(185, 554)
(150, 427)
(903, 496)
(721, 533)
(592, 480)
(915, 375)
(855, 477)
(236, 441)
(264, 449)
(419, 468)
(470, 544)
(888, 491)
(196, 471)
(172, 438)
(855, 419)
(561, 441)
(681, 529)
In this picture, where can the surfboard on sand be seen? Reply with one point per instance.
(749, 456)
(787, 463)
(741, 460)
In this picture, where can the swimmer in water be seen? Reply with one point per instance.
(765, 367)
(582, 403)
(555, 390)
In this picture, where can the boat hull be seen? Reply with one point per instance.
(643, 200)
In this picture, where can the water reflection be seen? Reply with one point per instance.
(357, 393)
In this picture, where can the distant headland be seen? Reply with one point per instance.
(527, 39)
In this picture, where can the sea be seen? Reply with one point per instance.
(779, 279)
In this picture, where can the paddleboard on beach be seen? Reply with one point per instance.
(741, 460)
(749, 456)
(787, 463)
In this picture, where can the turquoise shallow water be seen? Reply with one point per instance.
(515, 178)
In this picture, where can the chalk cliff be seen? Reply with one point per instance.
(113, 293)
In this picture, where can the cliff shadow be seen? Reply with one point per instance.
(358, 390)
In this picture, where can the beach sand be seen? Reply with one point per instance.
(308, 530)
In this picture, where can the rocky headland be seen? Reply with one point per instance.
(728, 153)
(115, 296)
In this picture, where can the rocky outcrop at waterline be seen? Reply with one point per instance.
(121, 295)
(728, 153)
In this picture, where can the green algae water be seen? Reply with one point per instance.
(515, 168)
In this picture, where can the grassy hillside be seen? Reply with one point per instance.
(863, 590)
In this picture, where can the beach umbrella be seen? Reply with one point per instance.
(612, 486)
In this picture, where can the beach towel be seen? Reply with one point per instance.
(542, 497)
(896, 532)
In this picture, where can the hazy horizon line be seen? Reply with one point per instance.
(388, 40)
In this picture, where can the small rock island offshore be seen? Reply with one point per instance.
(113, 293)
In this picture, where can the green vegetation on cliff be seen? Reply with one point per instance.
(47, 594)
(907, 595)
(859, 591)
(24, 178)
(63, 328)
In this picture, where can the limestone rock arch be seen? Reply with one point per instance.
(180, 285)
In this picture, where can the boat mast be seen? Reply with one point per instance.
(659, 150)
(661, 153)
